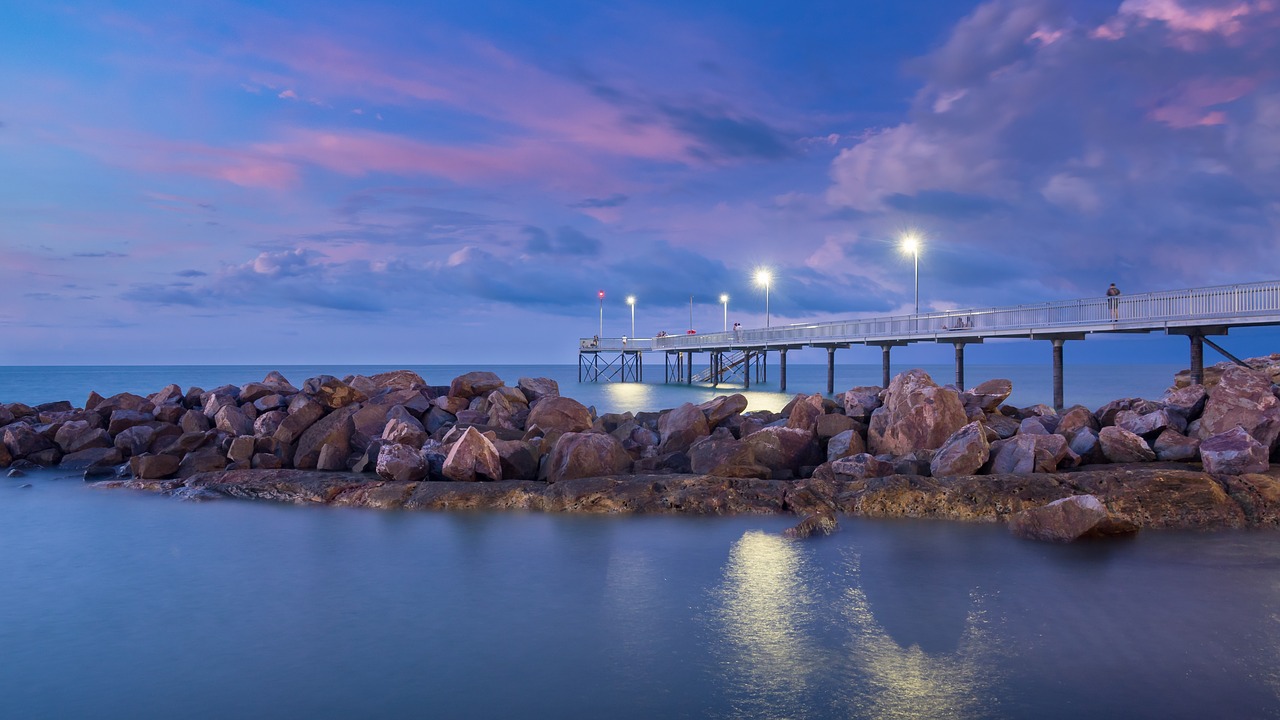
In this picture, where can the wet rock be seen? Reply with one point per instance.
(917, 414)
(233, 421)
(1243, 398)
(303, 413)
(1172, 445)
(153, 467)
(861, 401)
(1121, 446)
(473, 457)
(861, 466)
(963, 453)
(680, 427)
(559, 414)
(474, 384)
(580, 455)
(332, 429)
(1069, 519)
(724, 457)
(1234, 452)
(987, 396)
(845, 444)
(331, 392)
(23, 441)
(719, 409)
(536, 389)
(206, 459)
(822, 522)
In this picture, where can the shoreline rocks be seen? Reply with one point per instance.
(914, 449)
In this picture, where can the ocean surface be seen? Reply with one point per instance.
(122, 604)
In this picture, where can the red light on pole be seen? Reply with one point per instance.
(601, 294)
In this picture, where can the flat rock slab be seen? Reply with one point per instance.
(1172, 495)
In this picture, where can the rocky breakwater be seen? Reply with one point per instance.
(1193, 458)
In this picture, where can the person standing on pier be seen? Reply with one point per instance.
(1113, 299)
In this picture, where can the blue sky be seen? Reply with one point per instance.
(444, 182)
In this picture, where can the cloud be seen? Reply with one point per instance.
(191, 273)
(100, 254)
(288, 95)
(612, 201)
(565, 241)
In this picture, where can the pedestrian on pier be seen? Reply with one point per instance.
(1113, 300)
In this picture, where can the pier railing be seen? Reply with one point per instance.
(1232, 304)
(614, 344)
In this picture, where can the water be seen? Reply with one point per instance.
(115, 604)
(1089, 385)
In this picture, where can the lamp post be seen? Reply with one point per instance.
(631, 300)
(764, 277)
(601, 294)
(911, 244)
(725, 300)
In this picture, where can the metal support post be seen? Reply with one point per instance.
(782, 370)
(960, 366)
(831, 370)
(1197, 359)
(1057, 373)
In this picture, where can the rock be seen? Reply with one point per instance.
(559, 414)
(472, 417)
(845, 444)
(6, 458)
(170, 413)
(1032, 426)
(303, 413)
(721, 408)
(473, 458)
(724, 457)
(268, 422)
(252, 392)
(79, 435)
(987, 396)
(671, 463)
(169, 395)
(45, 458)
(332, 429)
(403, 428)
(214, 400)
(805, 413)
(679, 428)
(122, 420)
(1106, 414)
(266, 461)
(399, 380)
(186, 443)
(1069, 519)
(90, 403)
(331, 392)
(582, 455)
(861, 467)
(861, 401)
(1085, 444)
(475, 384)
(963, 453)
(332, 457)
(783, 448)
(452, 405)
(1121, 446)
(122, 401)
(1234, 452)
(267, 403)
(194, 421)
(1243, 398)
(1150, 424)
(917, 415)
(22, 441)
(502, 410)
(97, 457)
(437, 419)
(1002, 426)
(1186, 401)
(401, 463)
(242, 449)
(536, 389)
(832, 424)
(203, 460)
(1075, 418)
(153, 467)
(519, 459)
(822, 522)
(233, 421)
(1172, 445)
(1031, 454)
(279, 383)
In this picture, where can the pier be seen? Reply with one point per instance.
(1199, 314)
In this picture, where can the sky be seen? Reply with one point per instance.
(453, 182)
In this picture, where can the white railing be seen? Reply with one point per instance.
(615, 344)
(1223, 304)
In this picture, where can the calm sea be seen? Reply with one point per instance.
(117, 604)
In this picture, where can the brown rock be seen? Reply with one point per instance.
(122, 420)
(783, 448)
(861, 401)
(721, 408)
(822, 522)
(805, 413)
(1234, 452)
(6, 458)
(452, 405)
(724, 457)
(1172, 445)
(268, 422)
(332, 457)
(194, 421)
(1075, 418)
(1121, 446)
(252, 392)
(403, 428)
(1069, 519)
(233, 421)
(679, 428)
(242, 449)
(832, 424)
(1186, 401)
(123, 401)
(98, 461)
(845, 444)
(1002, 426)
(473, 457)
(303, 413)
(266, 461)
(917, 415)
(582, 455)
(1150, 424)
(519, 459)
(474, 384)
(399, 380)
(559, 414)
(153, 467)
(1242, 398)
(22, 441)
(987, 396)
(331, 392)
(203, 460)
(1087, 446)
(963, 453)
(78, 435)
(861, 467)
(536, 389)
(332, 429)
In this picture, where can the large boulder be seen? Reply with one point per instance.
(721, 408)
(1074, 419)
(473, 457)
(723, 456)
(23, 441)
(862, 466)
(332, 429)
(536, 389)
(1024, 454)
(1069, 519)
(1243, 398)
(917, 415)
(1086, 444)
(783, 448)
(1150, 424)
(303, 413)
(963, 453)
(1234, 452)
(844, 444)
(832, 424)
(987, 396)
(78, 435)
(1107, 413)
(122, 401)
(1121, 446)
(1186, 401)
(580, 455)
(122, 420)
(861, 401)
(194, 421)
(474, 384)
(680, 427)
(805, 412)
(331, 392)
(401, 463)
(268, 422)
(399, 380)
(153, 467)
(233, 421)
(519, 459)
(403, 428)
(560, 414)
(1172, 445)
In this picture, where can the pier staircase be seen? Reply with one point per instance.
(732, 364)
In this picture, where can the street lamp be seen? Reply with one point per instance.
(725, 300)
(601, 293)
(631, 300)
(911, 245)
(764, 277)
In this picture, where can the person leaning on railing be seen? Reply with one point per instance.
(1113, 300)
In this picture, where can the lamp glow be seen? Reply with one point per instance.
(764, 277)
(631, 300)
(724, 300)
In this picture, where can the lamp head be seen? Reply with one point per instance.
(911, 245)
(601, 294)
(631, 299)
(724, 298)
(764, 277)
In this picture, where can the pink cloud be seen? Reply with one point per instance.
(1189, 103)
(1187, 25)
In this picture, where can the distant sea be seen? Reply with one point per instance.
(1088, 385)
